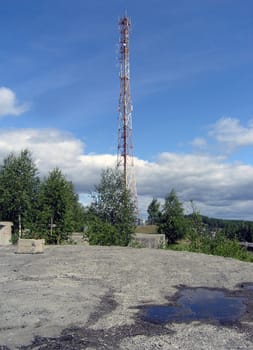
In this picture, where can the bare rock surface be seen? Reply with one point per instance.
(83, 297)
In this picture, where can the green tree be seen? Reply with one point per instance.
(80, 215)
(57, 202)
(173, 223)
(19, 187)
(154, 213)
(113, 205)
(196, 228)
(245, 232)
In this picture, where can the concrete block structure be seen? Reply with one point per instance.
(30, 246)
(5, 233)
(150, 240)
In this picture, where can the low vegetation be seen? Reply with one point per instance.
(219, 245)
(195, 233)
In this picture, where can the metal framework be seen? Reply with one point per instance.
(125, 158)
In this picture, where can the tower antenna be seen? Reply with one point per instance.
(125, 158)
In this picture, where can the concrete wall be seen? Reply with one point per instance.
(5, 232)
(150, 240)
(30, 246)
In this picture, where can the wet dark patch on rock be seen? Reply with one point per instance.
(82, 338)
(107, 305)
(199, 304)
(209, 305)
(78, 338)
(246, 286)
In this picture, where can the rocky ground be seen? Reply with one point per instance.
(83, 297)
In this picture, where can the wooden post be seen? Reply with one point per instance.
(19, 227)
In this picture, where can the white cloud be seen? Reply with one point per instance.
(232, 133)
(197, 177)
(53, 148)
(9, 104)
(219, 188)
(199, 142)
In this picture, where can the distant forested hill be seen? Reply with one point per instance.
(243, 230)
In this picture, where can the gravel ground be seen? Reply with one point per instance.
(82, 297)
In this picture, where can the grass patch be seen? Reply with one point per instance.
(181, 245)
(146, 229)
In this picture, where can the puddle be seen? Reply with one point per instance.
(199, 304)
(247, 286)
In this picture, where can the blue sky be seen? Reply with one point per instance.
(191, 82)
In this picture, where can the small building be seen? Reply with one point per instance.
(5, 233)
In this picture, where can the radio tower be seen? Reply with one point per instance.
(125, 158)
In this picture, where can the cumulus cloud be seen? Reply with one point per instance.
(231, 132)
(219, 188)
(198, 177)
(53, 148)
(9, 104)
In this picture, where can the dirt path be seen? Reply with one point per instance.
(81, 297)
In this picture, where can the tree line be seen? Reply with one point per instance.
(49, 208)
(39, 208)
(241, 229)
(170, 217)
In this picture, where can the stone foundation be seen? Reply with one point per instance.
(30, 246)
(5, 232)
(150, 240)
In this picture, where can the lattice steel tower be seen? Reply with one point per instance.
(125, 158)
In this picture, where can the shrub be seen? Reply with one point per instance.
(220, 245)
(102, 233)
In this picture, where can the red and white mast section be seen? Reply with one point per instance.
(125, 159)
